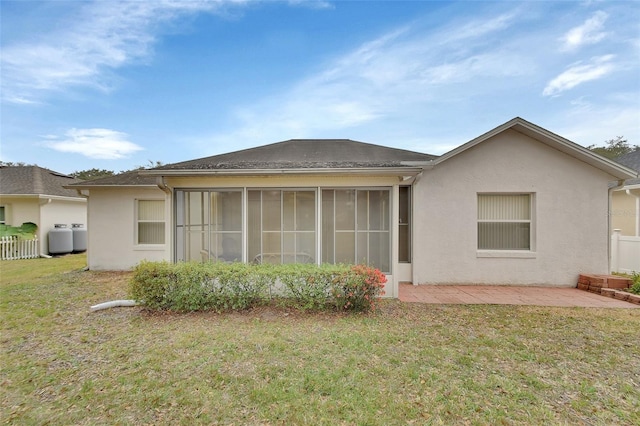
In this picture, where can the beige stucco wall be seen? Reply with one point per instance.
(111, 229)
(19, 210)
(570, 215)
(624, 211)
(45, 212)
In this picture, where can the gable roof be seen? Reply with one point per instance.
(551, 139)
(301, 155)
(34, 180)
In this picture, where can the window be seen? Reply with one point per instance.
(2, 216)
(150, 222)
(504, 221)
(282, 226)
(356, 227)
(209, 225)
(404, 225)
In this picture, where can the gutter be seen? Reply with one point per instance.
(395, 171)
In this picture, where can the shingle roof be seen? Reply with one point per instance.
(34, 180)
(631, 160)
(130, 178)
(305, 154)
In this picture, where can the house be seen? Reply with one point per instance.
(625, 207)
(38, 195)
(517, 205)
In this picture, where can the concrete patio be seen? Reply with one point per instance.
(508, 295)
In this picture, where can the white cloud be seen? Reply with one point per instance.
(312, 4)
(587, 33)
(95, 37)
(401, 71)
(580, 73)
(611, 121)
(95, 143)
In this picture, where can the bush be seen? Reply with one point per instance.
(308, 286)
(359, 288)
(185, 287)
(635, 287)
(194, 286)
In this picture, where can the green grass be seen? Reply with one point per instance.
(405, 364)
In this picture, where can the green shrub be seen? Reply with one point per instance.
(635, 287)
(309, 287)
(185, 287)
(153, 284)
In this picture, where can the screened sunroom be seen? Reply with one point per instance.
(288, 225)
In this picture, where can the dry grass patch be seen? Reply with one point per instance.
(406, 364)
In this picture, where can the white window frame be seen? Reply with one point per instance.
(137, 221)
(3, 221)
(510, 253)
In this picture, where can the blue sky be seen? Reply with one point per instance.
(114, 85)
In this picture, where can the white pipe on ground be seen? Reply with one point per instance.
(113, 304)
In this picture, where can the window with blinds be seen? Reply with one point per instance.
(150, 222)
(504, 221)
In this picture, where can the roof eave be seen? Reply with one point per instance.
(43, 196)
(112, 185)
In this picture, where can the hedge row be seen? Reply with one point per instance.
(185, 287)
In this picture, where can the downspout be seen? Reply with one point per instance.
(162, 185)
(41, 232)
(619, 185)
(628, 191)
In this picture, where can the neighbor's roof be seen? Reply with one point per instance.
(34, 180)
(631, 160)
(303, 154)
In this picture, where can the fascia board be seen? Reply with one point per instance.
(382, 171)
(41, 197)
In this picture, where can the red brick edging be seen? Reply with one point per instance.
(608, 285)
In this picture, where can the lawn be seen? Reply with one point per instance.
(404, 364)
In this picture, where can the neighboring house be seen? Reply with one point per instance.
(625, 206)
(518, 205)
(38, 195)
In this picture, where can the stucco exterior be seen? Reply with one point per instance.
(111, 241)
(569, 215)
(567, 187)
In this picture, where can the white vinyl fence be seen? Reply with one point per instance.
(625, 253)
(13, 248)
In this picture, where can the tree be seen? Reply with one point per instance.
(100, 173)
(91, 174)
(12, 164)
(614, 148)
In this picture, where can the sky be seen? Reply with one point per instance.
(119, 85)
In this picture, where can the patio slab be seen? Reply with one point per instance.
(507, 295)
